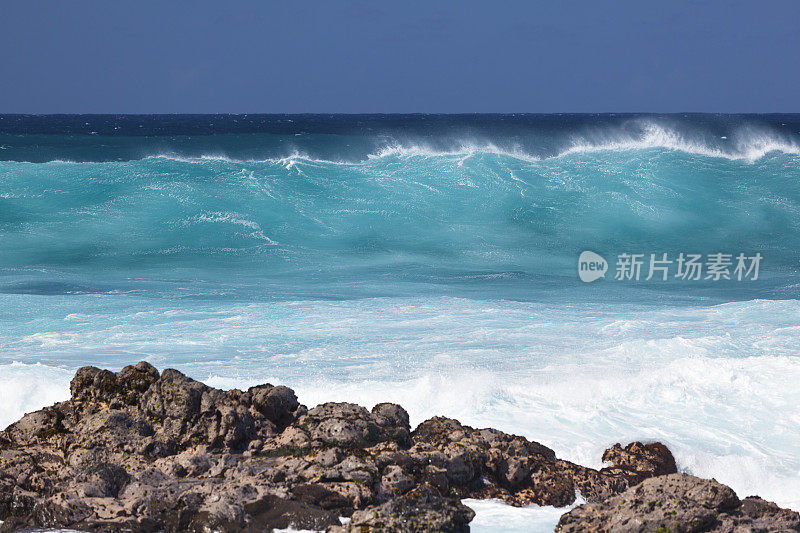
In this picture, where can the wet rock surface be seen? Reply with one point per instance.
(138, 450)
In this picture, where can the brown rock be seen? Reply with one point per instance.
(640, 460)
(140, 450)
(420, 510)
(680, 503)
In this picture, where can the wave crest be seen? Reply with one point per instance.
(744, 142)
(748, 143)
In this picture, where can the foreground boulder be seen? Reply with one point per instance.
(679, 503)
(138, 450)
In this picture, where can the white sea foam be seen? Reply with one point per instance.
(236, 219)
(492, 516)
(286, 161)
(464, 150)
(198, 159)
(717, 384)
(27, 387)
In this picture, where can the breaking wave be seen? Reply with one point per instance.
(355, 139)
(749, 144)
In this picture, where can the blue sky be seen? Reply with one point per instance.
(372, 56)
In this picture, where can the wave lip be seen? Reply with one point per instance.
(748, 144)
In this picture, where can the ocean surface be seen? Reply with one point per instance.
(429, 260)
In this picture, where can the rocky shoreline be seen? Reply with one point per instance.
(144, 451)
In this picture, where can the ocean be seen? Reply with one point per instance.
(428, 260)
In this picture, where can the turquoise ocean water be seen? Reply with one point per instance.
(427, 260)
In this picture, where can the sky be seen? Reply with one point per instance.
(298, 56)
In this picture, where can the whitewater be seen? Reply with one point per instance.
(425, 260)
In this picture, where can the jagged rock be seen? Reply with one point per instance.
(394, 482)
(420, 510)
(140, 450)
(756, 514)
(486, 463)
(640, 460)
(347, 424)
(678, 503)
